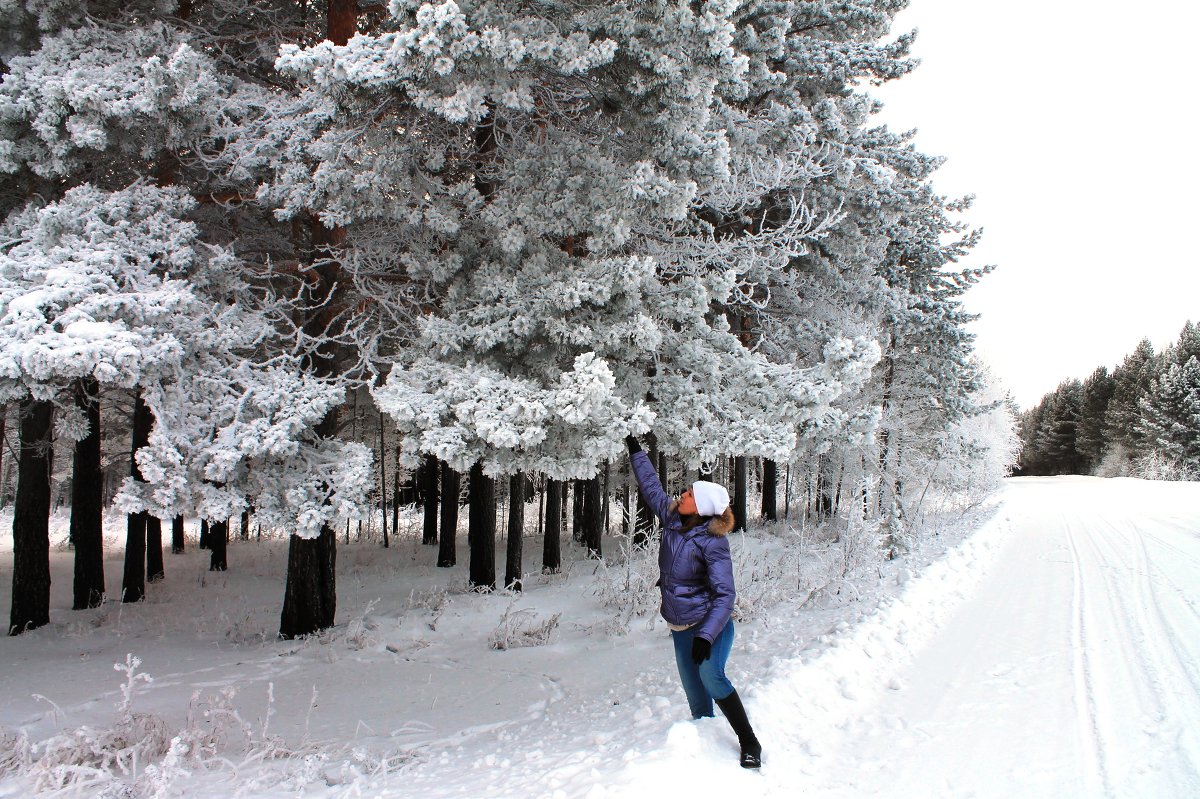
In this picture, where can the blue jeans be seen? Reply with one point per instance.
(705, 682)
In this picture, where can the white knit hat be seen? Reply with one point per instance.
(711, 499)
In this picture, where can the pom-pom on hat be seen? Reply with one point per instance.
(711, 499)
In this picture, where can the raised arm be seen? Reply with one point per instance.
(648, 483)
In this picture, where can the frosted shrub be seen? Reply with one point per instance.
(358, 631)
(86, 755)
(16, 752)
(629, 586)
(765, 581)
(522, 627)
(1155, 465)
(435, 600)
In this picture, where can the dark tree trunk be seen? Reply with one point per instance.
(429, 535)
(787, 491)
(310, 592)
(31, 520)
(87, 502)
(451, 487)
(481, 529)
(204, 533)
(578, 502)
(592, 515)
(551, 546)
(604, 523)
(177, 535)
(516, 531)
(740, 493)
(133, 581)
(396, 493)
(770, 503)
(218, 545)
(823, 501)
(244, 532)
(310, 598)
(383, 520)
(155, 569)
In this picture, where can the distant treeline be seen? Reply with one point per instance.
(1141, 420)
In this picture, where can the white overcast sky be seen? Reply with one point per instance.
(1075, 126)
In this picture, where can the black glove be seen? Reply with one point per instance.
(701, 650)
(633, 444)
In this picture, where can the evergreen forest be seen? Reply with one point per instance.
(1142, 419)
(288, 269)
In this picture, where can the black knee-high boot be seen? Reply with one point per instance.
(732, 707)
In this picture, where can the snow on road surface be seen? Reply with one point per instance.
(1056, 654)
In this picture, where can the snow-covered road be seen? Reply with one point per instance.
(1057, 654)
(1073, 671)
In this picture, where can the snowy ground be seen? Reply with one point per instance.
(1054, 652)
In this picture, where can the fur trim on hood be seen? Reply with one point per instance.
(722, 525)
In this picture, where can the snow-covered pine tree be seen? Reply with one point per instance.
(90, 290)
(129, 95)
(1132, 380)
(1090, 441)
(1170, 422)
(543, 192)
(1170, 411)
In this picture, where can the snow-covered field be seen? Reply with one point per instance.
(1053, 652)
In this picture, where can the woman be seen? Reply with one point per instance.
(696, 580)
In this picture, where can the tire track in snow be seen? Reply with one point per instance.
(1140, 692)
(1085, 705)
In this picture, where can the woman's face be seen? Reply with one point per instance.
(687, 503)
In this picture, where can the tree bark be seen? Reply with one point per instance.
(177, 535)
(310, 599)
(578, 501)
(31, 519)
(155, 569)
(770, 502)
(218, 545)
(203, 542)
(396, 492)
(823, 501)
(310, 593)
(516, 531)
(383, 507)
(740, 492)
(87, 502)
(551, 542)
(481, 529)
(592, 515)
(133, 581)
(451, 488)
(430, 477)
(244, 530)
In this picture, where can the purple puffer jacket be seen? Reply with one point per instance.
(696, 572)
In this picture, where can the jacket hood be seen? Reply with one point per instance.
(719, 526)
